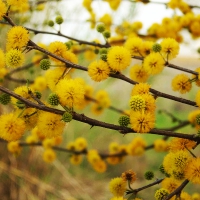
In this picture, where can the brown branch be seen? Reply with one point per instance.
(177, 190)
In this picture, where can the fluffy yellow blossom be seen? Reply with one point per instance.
(134, 45)
(181, 83)
(117, 186)
(192, 173)
(50, 124)
(107, 20)
(11, 127)
(100, 166)
(150, 103)
(57, 48)
(137, 146)
(196, 196)
(16, 3)
(98, 70)
(161, 194)
(76, 159)
(3, 9)
(160, 145)
(80, 144)
(170, 184)
(138, 73)
(142, 122)
(141, 88)
(146, 48)
(14, 58)
(70, 92)
(118, 58)
(129, 175)
(17, 38)
(170, 48)
(49, 155)
(197, 98)
(153, 63)
(71, 57)
(14, 147)
(2, 59)
(39, 84)
(177, 144)
(185, 196)
(197, 81)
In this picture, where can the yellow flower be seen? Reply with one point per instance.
(181, 83)
(161, 194)
(192, 173)
(98, 70)
(137, 103)
(170, 184)
(50, 124)
(16, 3)
(118, 58)
(76, 159)
(14, 147)
(2, 59)
(71, 57)
(93, 156)
(150, 103)
(58, 49)
(153, 63)
(17, 38)
(70, 92)
(11, 127)
(142, 122)
(49, 155)
(14, 58)
(107, 20)
(138, 73)
(160, 145)
(141, 88)
(100, 166)
(39, 84)
(80, 144)
(197, 99)
(129, 175)
(117, 186)
(3, 9)
(134, 45)
(137, 146)
(175, 163)
(114, 4)
(185, 196)
(170, 48)
(146, 48)
(177, 144)
(196, 196)
(198, 79)
(87, 4)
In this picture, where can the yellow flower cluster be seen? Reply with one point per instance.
(2, 9)
(142, 105)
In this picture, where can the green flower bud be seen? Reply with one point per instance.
(67, 117)
(68, 44)
(124, 121)
(53, 99)
(106, 34)
(38, 94)
(96, 51)
(5, 98)
(20, 104)
(156, 47)
(59, 19)
(103, 51)
(50, 23)
(104, 57)
(45, 64)
(149, 175)
(100, 28)
(198, 119)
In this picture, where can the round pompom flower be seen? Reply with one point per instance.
(134, 45)
(137, 103)
(153, 63)
(141, 88)
(11, 127)
(49, 155)
(2, 59)
(70, 92)
(129, 175)
(51, 124)
(118, 58)
(142, 122)
(117, 186)
(98, 70)
(161, 194)
(3, 9)
(17, 38)
(14, 58)
(170, 48)
(181, 83)
(138, 73)
(192, 173)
